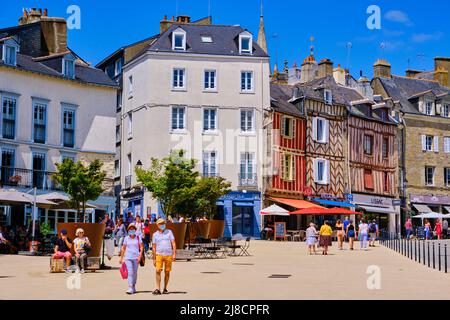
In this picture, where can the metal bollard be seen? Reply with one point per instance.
(428, 253)
(434, 257)
(424, 255)
(410, 249)
(445, 258)
(418, 250)
(439, 253)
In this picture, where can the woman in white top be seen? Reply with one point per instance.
(132, 251)
(363, 231)
(311, 238)
(139, 227)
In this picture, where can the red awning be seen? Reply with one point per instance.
(324, 212)
(298, 204)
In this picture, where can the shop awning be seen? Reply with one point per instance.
(448, 209)
(298, 204)
(325, 212)
(243, 204)
(387, 210)
(334, 203)
(422, 208)
(343, 211)
(220, 203)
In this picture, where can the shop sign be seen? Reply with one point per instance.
(429, 199)
(372, 200)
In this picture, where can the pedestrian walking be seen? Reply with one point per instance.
(427, 229)
(350, 232)
(363, 233)
(311, 238)
(445, 229)
(132, 253)
(81, 247)
(129, 219)
(164, 253)
(346, 223)
(139, 227)
(325, 234)
(147, 236)
(121, 233)
(373, 233)
(340, 234)
(408, 228)
(438, 229)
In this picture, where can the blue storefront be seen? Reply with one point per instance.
(241, 213)
(135, 204)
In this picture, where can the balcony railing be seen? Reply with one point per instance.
(128, 182)
(248, 180)
(24, 178)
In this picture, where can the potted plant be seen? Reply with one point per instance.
(15, 180)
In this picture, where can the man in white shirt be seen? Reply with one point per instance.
(164, 253)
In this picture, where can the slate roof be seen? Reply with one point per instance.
(279, 96)
(402, 89)
(225, 40)
(84, 74)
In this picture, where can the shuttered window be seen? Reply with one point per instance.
(368, 179)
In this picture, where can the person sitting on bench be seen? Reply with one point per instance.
(62, 249)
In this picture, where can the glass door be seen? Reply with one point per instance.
(7, 170)
(243, 220)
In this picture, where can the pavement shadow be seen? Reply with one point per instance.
(170, 292)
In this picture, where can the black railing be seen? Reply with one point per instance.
(248, 180)
(24, 178)
(433, 254)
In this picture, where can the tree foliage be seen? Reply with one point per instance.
(179, 188)
(81, 182)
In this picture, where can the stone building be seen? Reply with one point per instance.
(424, 136)
(54, 106)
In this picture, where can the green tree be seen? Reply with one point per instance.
(81, 182)
(175, 183)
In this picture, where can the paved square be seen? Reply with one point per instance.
(340, 275)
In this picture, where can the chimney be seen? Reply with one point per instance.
(309, 69)
(364, 88)
(382, 69)
(339, 75)
(54, 30)
(183, 19)
(325, 68)
(442, 70)
(165, 24)
(412, 73)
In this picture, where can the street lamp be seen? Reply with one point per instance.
(139, 164)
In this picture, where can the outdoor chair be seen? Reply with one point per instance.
(289, 237)
(297, 237)
(233, 248)
(245, 247)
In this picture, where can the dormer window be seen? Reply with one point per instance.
(245, 43)
(10, 49)
(328, 96)
(118, 67)
(429, 108)
(68, 67)
(179, 40)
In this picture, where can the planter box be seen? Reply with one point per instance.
(217, 229)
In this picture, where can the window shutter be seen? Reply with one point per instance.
(447, 145)
(424, 142)
(314, 128)
(293, 168)
(327, 131)
(327, 172)
(283, 125)
(439, 109)
(315, 171)
(436, 144)
(294, 124)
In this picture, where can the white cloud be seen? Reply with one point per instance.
(398, 16)
(424, 37)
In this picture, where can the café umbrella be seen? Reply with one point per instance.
(14, 197)
(274, 210)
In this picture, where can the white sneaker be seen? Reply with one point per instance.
(68, 271)
(82, 270)
(77, 270)
(130, 291)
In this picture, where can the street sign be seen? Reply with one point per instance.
(308, 192)
(396, 203)
(349, 197)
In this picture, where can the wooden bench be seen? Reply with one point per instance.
(58, 265)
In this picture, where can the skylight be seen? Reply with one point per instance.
(207, 39)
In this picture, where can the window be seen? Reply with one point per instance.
(69, 128)
(328, 97)
(429, 176)
(130, 86)
(118, 136)
(387, 182)
(368, 145)
(178, 118)
(446, 110)
(385, 147)
(247, 120)
(429, 108)
(130, 166)
(118, 67)
(287, 126)
(447, 177)
(130, 125)
(178, 79)
(209, 119)
(245, 43)
(210, 164)
(246, 81)
(210, 80)
(207, 39)
(39, 122)
(247, 170)
(321, 171)
(69, 68)
(368, 180)
(447, 144)
(117, 168)
(287, 167)
(428, 141)
(10, 55)
(179, 40)
(320, 130)
(384, 114)
(9, 118)
(119, 100)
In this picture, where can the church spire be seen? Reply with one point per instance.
(262, 42)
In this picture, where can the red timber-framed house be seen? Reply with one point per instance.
(373, 155)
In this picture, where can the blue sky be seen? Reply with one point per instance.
(414, 32)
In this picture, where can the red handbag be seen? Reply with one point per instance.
(124, 271)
